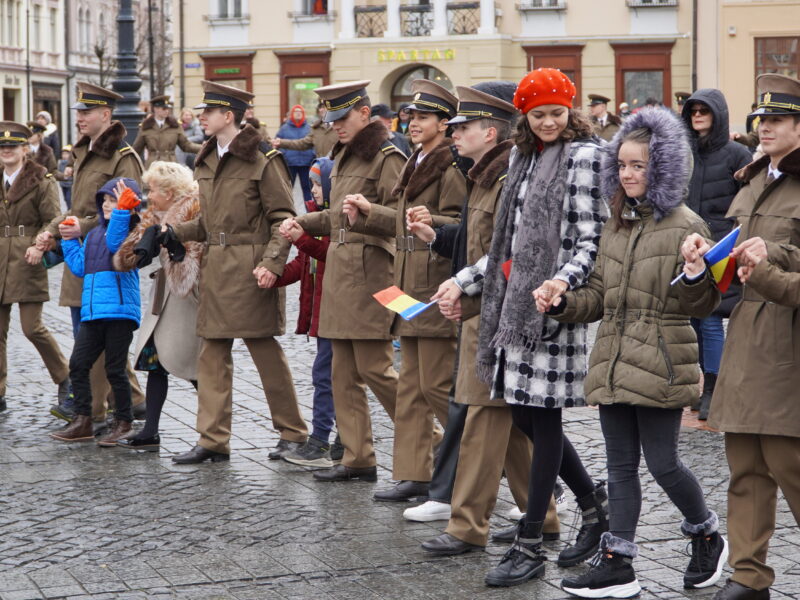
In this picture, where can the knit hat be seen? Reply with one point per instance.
(544, 86)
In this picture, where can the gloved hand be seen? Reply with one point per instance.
(128, 200)
(170, 241)
(147, 248)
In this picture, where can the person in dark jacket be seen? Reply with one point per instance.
(309, 269)
(711, 192)
(296, 127)
(110, 309)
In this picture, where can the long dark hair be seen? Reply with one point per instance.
(640, 136)
(578, 126)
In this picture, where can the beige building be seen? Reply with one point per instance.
(740, 39)
(282, 49)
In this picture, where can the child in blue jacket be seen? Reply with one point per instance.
(110, 309)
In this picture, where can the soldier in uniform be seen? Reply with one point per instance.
(431, 189)
(606, 124)
(244, 196)
(251, 119)
(99, 155)
(160, 133)
(680, 100)
(367, 166)
(29, 202)
(321, 138)
(39, 151)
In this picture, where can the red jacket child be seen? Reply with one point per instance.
(308, 268)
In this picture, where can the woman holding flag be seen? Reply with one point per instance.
(643, 368)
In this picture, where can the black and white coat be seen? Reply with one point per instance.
(552, 374)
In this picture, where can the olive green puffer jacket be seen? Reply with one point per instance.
(645, 353)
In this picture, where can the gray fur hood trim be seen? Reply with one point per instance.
(670, 166)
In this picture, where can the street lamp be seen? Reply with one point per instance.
(128, 81)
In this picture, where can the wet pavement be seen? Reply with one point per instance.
(78, 521)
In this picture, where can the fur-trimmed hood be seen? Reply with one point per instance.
(245, 145)
(181, 277)
(365, 145)
(789, 165)
(416, 178)
(29, 177)
(491, 165)
(150, 122)
(108, 142)
(670, 165)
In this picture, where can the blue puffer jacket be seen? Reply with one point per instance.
(290, 131)
(107, 294)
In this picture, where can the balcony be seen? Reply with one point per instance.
(370, 21)
(393, 18)
(651, 3)
(463, 18)
(536, 5)
(416, 20)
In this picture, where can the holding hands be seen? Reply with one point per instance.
(265, 277)
(419, 222)
(353, 204)
(45, 241)
(68, 228)
(291, 230)
(693, 249)
(748, 254)
(33, 256)
(449, 298)
(549, 294)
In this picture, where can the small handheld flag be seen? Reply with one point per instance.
(720, 262)
(395, 299)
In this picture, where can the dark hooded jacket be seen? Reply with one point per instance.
(713, 186)
(645, 353)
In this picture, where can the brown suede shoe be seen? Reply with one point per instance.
(119, 430)
(80, 430)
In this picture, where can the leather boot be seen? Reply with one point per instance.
(523, 561)
(79, 430)
(594, 508)
(119, 430)
(709, 383)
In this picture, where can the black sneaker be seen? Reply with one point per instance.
(3, 404)
(314, 453)
(283, 447)
(611, 576)
(709, 553)
(64, 410)
(337, 450)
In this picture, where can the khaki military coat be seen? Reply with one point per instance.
(485, 182)
(607, 131)
(759, 378)
(322, 139)
(244, 197)
(29, 205)
(44, 156)
(645, 353)
(160, 142)
(438, 184)
(110, 157)
(357, 265)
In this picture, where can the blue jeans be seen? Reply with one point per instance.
(710, 340)
(323, 413)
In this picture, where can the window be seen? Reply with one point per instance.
(36, 29)
(401, 90)
(53, 30)
(565, 58)
(778, 55)
(643, 71)
(229, 9)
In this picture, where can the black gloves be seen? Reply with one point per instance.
(170, 241)
(148, 247)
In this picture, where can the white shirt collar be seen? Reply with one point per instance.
(160, 123)
(221, 150)
(773, 172)
(10, 177)
(34, 148)
(420, 157)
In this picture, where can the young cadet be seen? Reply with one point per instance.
(39, 151)
(755, 400)
(160, 133)
(99, 155)
(489, 443)
(244, 196)
(366, 166)
(431, 190)
(28, 202)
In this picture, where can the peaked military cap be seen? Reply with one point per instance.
(339, 98)
(431, 97)
(163, 101)
(474, 104)
(681, 97)
(777, 95)
(216, 95)
(92, 96)
(598, 99)
(13, 134)
(36, 127)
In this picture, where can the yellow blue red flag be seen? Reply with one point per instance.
(397, 300)
(720, 262)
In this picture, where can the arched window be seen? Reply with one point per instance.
(401, 90)
(88, 31)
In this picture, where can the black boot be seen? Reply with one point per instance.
(709, 382)
(594, 508)
(523, 561)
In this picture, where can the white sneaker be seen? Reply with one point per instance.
(429, 511)
(514, 514)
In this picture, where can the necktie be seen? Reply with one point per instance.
(770, 179)
(8, 185)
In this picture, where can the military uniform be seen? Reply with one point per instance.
(160, 139)
(322, 138)
(607, 126)
(244, 196)
(26, 205)
(357, 266)
(428, 342)
(43, 154)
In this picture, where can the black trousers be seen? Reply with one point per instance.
(114, 337)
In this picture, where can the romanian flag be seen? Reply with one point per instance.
(395, 299)
(720, 261)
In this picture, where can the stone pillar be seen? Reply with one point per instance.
(487, 18)
(348, 19)
(392, 19)
(439, 18)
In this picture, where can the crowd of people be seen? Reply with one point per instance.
(522, 218)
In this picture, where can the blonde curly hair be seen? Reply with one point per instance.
(171, 177)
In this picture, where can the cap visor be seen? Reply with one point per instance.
(80, 106)
(335, 115)
(421, 108)
(460, 119)
(201, 105)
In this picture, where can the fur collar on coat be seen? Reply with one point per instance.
(365, 145)
(108, 142)
(244, 145)
(30, 176)
(789, 165)
(418, 177)
(150, 122)
(670, 166)
(491, 165)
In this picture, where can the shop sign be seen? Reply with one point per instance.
(416, 55)
(228, 71)
(305, 85)
(192, 65)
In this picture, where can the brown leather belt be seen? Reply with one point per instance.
(220, 238)
(17, 231)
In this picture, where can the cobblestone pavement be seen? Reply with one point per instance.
(78, 521)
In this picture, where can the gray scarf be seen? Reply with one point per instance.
(508, 311)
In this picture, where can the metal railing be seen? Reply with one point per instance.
(463, 18)
(416, 20)
(651, 3)
(526, 5)
(370, 21)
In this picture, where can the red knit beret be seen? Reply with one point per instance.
(544, 86)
